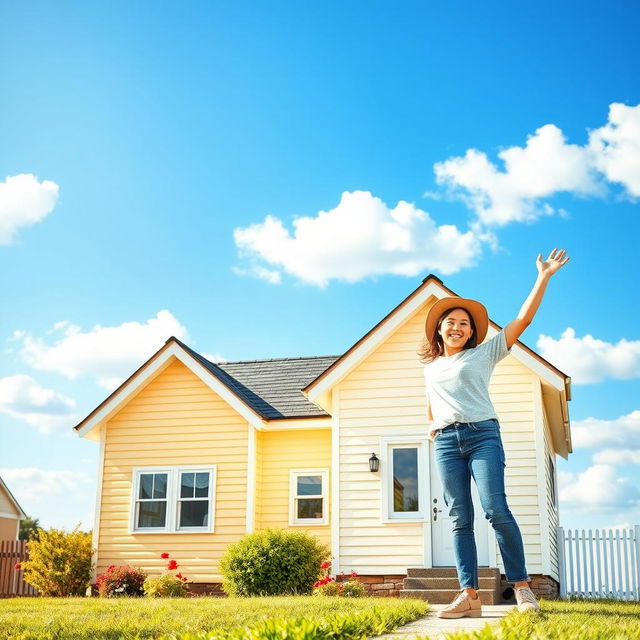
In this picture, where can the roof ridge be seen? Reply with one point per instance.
(277, 359)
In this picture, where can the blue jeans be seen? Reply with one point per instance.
(463, 450)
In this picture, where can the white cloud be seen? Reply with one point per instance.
(360, 237)
(213, 357)
(621, 433)
(30, 483)
(24, 201)
(23, 398)
(597, 489)
(616, 147)
(617, 456)
(108, 354)
(588, 359)
(546, 165)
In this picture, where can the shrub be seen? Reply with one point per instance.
(165, 586)
(59, 562)
(168, 585)
(121, 581)
(272, 562)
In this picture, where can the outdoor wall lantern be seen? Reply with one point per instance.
(374, 462)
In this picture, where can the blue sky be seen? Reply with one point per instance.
(156, 155)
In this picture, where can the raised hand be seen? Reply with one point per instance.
(555, 260)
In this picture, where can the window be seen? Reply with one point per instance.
(308, 493)
(551, 470)
(404, 467)
(151, 507)
(173, 499)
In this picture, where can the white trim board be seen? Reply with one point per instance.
(166, 356)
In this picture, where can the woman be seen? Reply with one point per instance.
(465, 430)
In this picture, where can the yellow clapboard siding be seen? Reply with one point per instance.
(191, 425)
(282, 451)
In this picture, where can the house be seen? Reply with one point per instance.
(195, 454)
(10, 514)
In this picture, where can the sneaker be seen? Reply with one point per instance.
(526, 600)
(464, 605)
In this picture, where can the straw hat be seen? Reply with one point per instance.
(474, 308)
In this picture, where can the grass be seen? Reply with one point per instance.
(129, 618)
(566, 620)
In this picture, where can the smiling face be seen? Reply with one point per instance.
(455, 330)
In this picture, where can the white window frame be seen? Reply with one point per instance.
(173, 497)
(293, 495)
(387, 444)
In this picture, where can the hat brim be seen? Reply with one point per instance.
(474, 308)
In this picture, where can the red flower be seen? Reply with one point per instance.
(316, 584)
(164, 556)
(184, 578)
(325, 565)
(172, 565)
(353, 574)
(179, 575)
(111, 567)
(17, 566)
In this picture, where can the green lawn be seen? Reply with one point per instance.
(567, 620)
(128, 618)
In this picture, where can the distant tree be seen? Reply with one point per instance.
(29, 528)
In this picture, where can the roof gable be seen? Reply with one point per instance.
(431, 286)
(3, 487)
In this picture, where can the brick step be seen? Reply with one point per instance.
(445, 596)
(447, 583)
(449, 572)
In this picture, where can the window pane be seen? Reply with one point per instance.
(310, 508)
(160, 485)
(146, 486)
(186, 485)
(405, 479)
(202, 485)
(309, 485)
(193, 513)
(152, 514)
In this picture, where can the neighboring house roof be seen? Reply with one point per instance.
(270, 387)
(21, 514)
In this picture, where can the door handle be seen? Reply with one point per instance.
(436, 511)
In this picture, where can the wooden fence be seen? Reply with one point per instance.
(600, 564)
(12, 582)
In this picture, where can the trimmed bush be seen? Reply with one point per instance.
(59, 562)
(121, 581)
(272, 562)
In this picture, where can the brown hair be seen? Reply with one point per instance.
(433, 347)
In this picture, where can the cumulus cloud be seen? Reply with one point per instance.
(360, 237)
(588, 359)
(597, 489)
(545, 166)
(620, 433)
(21, 397)
(24, 201)
(31, 483)
(617, 456)
(107, 354)
(616, 147)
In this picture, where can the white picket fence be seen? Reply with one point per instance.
(600, 563)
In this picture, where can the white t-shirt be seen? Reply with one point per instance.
(458, 386)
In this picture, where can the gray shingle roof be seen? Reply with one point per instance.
(271, 387)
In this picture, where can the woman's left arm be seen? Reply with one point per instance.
(546, 268)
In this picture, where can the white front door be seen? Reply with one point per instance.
(441, 536)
